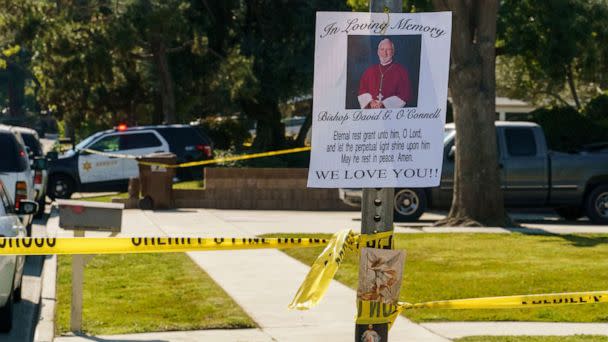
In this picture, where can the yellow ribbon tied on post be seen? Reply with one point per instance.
(369, 312)
(327, 263)
(322, 271)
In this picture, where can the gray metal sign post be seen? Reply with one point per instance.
(377, 204)
(81, 216)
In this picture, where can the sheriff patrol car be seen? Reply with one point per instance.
(79, 170)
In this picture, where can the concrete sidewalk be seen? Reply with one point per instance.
(263, 282)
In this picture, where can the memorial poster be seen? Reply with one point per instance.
(379, 99)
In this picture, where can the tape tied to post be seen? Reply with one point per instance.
(369, 312)
(326, 265)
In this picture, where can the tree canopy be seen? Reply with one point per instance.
(100, 62)
(95, 63)
(553, 50)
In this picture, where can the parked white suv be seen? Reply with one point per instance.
(11, 266)
(32, 142)
(15, 171)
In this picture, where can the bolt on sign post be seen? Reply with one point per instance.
(379, 103)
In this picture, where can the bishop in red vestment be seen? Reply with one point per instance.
(387, 84)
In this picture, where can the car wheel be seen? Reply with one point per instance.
(409, 204)
(6, 315)
(60, 186)
(570, 213)
(597, 205)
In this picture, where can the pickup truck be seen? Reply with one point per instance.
(574, 184)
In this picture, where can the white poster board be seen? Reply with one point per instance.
(379, 100)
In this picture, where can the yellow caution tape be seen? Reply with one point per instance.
(509, 302)
(310, 293)
(44, 246)
(204, 162)
(379, 240)
(108, 154)
(369, 312)
(326, 265)
(316, 282)
(117, 245)
(322, 271)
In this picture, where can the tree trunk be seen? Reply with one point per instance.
(16, 91)
(131, 114)
(478, 198)
(570, 77)
(167, 96)
(270, 132)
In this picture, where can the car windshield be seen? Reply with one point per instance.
(87, 141)
(33, 143)
(13, 157)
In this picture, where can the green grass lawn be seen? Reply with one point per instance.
(134, 293)
(190, 185)
(107, 198)
(575, 338)
(453, 266)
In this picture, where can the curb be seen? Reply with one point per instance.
(45, 329)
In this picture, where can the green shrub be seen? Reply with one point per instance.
(84, 129)
(597, 109)
(42, 124)
(292, 160)
(226, 133)
(567, 130)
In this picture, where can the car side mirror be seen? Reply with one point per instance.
(452, 153)
(40, 163)
(27, 207)
(52, 155)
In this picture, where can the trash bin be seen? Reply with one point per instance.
(157, 181)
